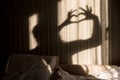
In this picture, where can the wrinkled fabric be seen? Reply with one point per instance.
(60, 74)
(30, 67)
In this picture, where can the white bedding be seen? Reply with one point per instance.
(110, 74)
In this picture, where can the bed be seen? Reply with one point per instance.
(34, 67)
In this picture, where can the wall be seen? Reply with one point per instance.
(114, 32)
(14, 27)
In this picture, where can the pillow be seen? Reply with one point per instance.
(53, 61)
(24, 65)
(61, 74)
(73, 69)
(39, 71)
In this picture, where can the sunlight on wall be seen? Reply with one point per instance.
(33, 21)
(83, 30)
(88, 56)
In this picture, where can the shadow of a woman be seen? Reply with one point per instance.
(65, 55)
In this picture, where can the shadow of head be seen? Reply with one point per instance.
(36, 33)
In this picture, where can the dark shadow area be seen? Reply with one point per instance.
(27, 67)
(14, 27)
(114, 20)
(68, 49)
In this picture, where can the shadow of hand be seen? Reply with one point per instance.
(87, 13)
(70, 15)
